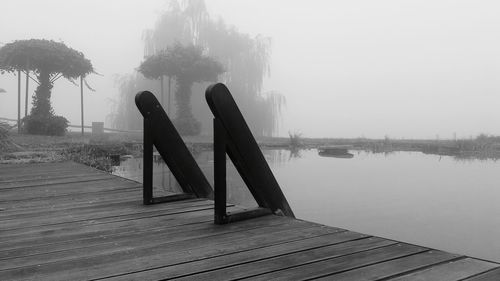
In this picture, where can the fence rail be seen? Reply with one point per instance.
(79, 126)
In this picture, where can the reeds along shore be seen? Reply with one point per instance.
(19, 148)
(481, 147)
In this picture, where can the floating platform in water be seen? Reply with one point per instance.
(337, 151)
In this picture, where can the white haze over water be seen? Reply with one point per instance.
(412, 69)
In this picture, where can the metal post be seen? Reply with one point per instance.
(81, 96)
(19, 101)
(219, 173)
(147, 183)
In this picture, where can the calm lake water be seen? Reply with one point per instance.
(430, 200)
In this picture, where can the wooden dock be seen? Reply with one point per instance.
(66, 221)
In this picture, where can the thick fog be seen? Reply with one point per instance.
(403, 69)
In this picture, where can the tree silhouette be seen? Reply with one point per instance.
(246, 60)
(188, 65)
(157, 67)
(191, 66)
(49, 60)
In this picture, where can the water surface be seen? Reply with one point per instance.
(434, 201)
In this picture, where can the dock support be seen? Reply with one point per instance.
(147, 182)
(221, 216)
(147, 164)
(219, 173)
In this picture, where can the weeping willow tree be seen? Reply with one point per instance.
(125, 115)
(245, 59)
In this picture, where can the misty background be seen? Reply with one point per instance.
(403, 69)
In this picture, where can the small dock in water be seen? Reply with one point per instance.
(67, 221)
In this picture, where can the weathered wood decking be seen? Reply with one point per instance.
(65, 221)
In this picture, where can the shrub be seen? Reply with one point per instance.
(6, 144)
(295, 139)
(45, 125)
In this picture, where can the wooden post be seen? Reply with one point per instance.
(161, 91)
(19, 101)
(168, 114)
(27, 90)
(81, 96)
(168, 106)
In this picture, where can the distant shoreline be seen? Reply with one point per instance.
(96, 151)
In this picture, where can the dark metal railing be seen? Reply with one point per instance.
(161, 133)
(233, 136)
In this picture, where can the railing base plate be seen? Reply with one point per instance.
(170, 198)
(242, 215)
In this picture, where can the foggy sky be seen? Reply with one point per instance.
(412, 69)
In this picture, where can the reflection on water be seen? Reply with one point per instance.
(418, 198)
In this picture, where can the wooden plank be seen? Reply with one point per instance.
(54, 175)
(18, 169)
(9, 169)
(253, 269)
(64, 236)
(492, 275)
(311, 269)
(57, 200)
(177, 209)
(45, 182)
(96, 217)
(68, 201)
(27, 193)
(89, 209)
(102, 245)
(40, 170)
(71, 205)
(169, 253)
(451, 271)
(24, 199)
(57, 231)
(394, 267)
(240, 257)
(125, 228)
(48, 175)
(174, 208)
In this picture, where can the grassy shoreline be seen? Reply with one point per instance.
(96, 152)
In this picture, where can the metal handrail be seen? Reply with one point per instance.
(161, 133)
(233, 136)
